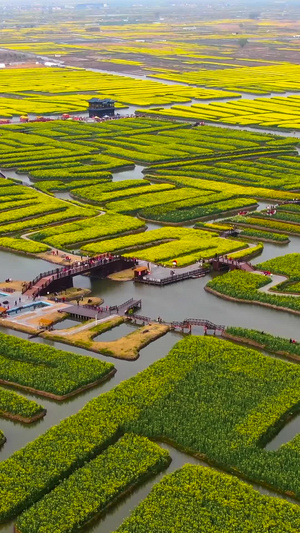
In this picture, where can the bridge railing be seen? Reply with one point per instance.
(173, 278)
(40, 276)
(73, 268)
(134, 304)
(128, 302)
(184, 324)
(143, 318)
(176, 324)
(204, 323)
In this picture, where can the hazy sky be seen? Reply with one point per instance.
(242, 4)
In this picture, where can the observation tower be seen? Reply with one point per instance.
(100, 108)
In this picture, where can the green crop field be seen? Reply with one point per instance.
(244, 286)
(45, 369)
(96, 485)
(189, 388)
(17, 407)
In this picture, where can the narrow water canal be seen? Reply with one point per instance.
(290, 430)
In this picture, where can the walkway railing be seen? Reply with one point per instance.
(204, 323)
(72, 269)
(187, 323)
(172, 279)
(126, 306)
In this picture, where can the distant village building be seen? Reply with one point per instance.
(101, 108)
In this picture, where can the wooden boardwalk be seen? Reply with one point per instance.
(185, 324)
(87, 312)
(81, 312)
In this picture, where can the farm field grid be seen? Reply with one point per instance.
(179, 197)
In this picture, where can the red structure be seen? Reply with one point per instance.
(139, 272)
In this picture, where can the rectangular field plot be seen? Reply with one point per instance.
(159, 196)
(195, 209)
(200, 499)
(95, 486)
(267, 341)
(287, 223)
(47, 371)
(102, 194)
(89, 229)
(245, 287)
(18, 408)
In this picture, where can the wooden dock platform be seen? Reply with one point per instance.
(191, 274)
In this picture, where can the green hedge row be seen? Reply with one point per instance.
(269, 342)
(95, 486)
(71, 212)
(244, 286)
(46, 369)
(106, 226)
(16, 405)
